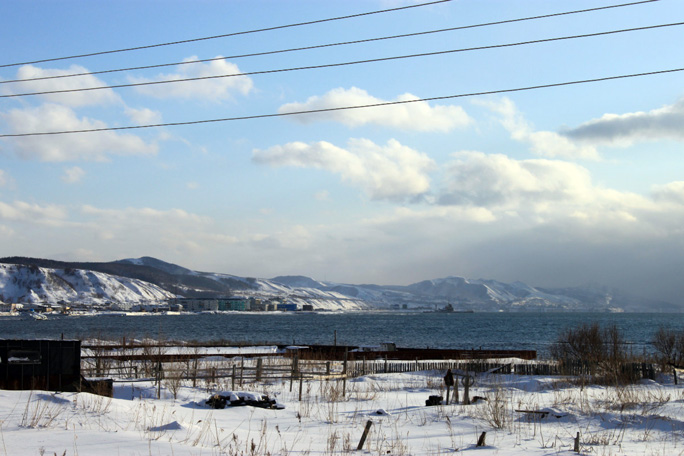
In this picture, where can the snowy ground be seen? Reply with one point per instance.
(645, 419)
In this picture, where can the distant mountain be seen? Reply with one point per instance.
(168, 268)
(170, 279)
(156, 279)
(491, 295)
(298, 281)
(30, 284)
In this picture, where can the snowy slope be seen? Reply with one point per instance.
(32, 284)
(319, 299)
(491, 292)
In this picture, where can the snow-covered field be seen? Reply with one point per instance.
(643, 419)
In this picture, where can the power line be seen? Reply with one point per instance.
(266, 29)
(344, 108)
(339, 64)
(319, 46)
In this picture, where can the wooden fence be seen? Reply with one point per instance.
(188, 363)
(636, 371)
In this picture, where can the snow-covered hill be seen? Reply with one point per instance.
(143, 280)
(490, 295)
(35, 285)
(318, 298)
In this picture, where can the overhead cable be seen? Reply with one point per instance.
(319, 46)
(344, 108)
(266, 29)
(331, 65)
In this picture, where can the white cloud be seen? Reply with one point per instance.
(209, 89)
(149, 229)
(73, 175)
(67, 147)
(626, 129)
(74, 99)
(671, 193)
(536, 190)
(392, 171)
(144, 215)
(214, 238)
(545, 143)
(111, 232)
(322, 195)
(295, 237)
(418, 115)
(499, 181)
(22, 211)
(6, 231)
(4, 178)
(144, 116)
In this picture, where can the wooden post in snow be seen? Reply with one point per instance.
(364, 435)
(481, 440)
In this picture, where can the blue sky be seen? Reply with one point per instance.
(553, 187)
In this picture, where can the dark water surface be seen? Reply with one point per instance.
(522, 331)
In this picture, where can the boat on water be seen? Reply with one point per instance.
(38, 316)
(450, 309)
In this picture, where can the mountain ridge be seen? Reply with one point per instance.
(458, 292)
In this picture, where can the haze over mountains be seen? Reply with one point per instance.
(127, 282)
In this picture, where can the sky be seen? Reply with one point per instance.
(555, 187)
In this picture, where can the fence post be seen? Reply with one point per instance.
(364, 435)
(159, 368)
(294, 370)
(455, 398)
(301, 380)
(233, 377)
(467, 383)
(259, 368)
(344, 372)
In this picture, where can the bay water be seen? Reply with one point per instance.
(495, 331)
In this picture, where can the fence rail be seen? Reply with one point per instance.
(189, 363)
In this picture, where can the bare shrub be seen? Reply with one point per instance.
(594, 351)
(669, 347)
(495, 409)
(174, 380)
